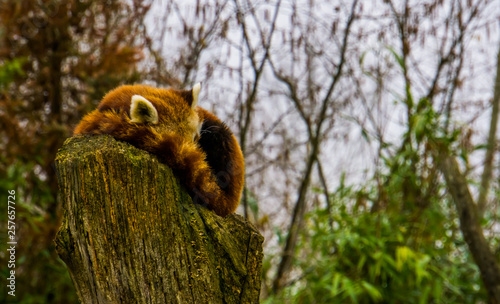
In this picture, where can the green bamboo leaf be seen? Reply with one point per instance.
(372, 291)
(403, 253)
(364, 133)
(420, 269)
(398, 58)
(334, 289)
(420, 126)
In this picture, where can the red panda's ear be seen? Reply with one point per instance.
(191, 96)
(196, 91)
(142, 110)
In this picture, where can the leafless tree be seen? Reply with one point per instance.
(315, 102)
(295, 77)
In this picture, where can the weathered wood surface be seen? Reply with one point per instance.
(131, 233)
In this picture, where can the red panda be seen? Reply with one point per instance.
(199, 148)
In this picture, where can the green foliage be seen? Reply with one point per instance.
(382, 257)
(395, 238)
(35, 251)
(9, 70)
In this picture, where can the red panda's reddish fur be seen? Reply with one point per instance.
(212, 169)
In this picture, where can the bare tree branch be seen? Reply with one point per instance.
(492, 144)
(315, 140)
(246, 109)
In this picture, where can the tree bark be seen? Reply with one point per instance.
(470, 225)
(131, 233)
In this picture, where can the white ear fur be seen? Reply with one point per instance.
(196, 92)
(142, 110)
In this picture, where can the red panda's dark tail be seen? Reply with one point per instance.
(224, 157)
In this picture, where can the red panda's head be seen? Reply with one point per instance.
(162, 109)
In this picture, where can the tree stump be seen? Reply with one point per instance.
(131, 234)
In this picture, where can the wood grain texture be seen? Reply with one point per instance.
(131, 233)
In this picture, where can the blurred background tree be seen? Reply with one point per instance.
(345, 111)
(57, 59)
